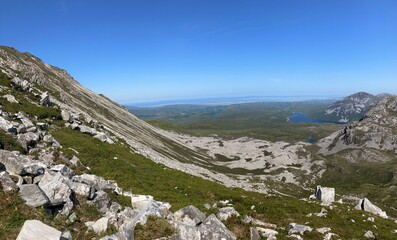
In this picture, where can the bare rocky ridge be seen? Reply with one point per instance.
(352, 107)
(378, 130)
(76, 100)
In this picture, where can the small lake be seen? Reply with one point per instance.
(301, 117)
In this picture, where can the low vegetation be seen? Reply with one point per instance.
(142, 176)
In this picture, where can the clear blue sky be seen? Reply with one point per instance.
(157, 49)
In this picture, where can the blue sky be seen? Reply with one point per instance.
(135, 51)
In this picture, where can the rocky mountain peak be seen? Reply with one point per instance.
(377, 130)
(352, 107)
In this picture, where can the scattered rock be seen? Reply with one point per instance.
(325, 194)
(212, 228)
(6, 182)
(226, 212)
(207, 206)
(254, 234)
(8, 126)
(20, 164)
(28, 140)
(322, 213)
(299, 229)
(63, 169)
(34, 229)
(56, 187)
(267, 233)
(189, 215)
(369, 234)
(366, 205)
(82, 189)
(323, 230)
(45, 99)
(33, 195)
(100, 226)
(10, 98)
(102, 201)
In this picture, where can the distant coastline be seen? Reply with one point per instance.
(227, 100)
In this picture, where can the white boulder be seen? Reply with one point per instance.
(34, 229)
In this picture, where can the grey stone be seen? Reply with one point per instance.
(207, 206)
(102, 201)
(10, 98)
(325, 194)
(6, 182)
(8, 126)
(254, 234)
(25, 85)
(75, 160)
(189, 215)
(267, 233)
(45, 99)
(28, 179)
(212, 228)
(226, 212)
(369, 234)
(34, 229)
(33, 195)
(186, 231)
(366, 205)
(66, 116)
(100, 226)
(66, 235)
(81, 189)
(98, 183)
(56, 187)
(63, 169)
(42, 126)
(20, 164)
(28, 140)
(298, 229)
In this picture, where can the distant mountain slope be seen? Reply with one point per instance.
(352, 107)
(76, 99)
(378, 130)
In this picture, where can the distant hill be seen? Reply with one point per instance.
(352, 107)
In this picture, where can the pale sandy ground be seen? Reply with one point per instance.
(250, 155)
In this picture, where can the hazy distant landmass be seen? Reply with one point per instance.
(228, 100)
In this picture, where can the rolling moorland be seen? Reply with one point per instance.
(68, 137)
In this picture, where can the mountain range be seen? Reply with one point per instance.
(56, 134)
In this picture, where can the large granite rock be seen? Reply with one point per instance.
(82, 189)
(6, 182)
(28, 140)
(298, 229)
(98, 183)
(36, 230)
(189, 215)
(21, 164)
(325, 194)
(10, 98)
(366, 205)
(212, 228)
(226, 212)
(45, 99)
(33, 195)
(56, 187)
(8, 126)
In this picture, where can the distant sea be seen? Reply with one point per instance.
(227, 100)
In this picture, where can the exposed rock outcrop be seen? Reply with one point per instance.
(366, 205)
(34, 229)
